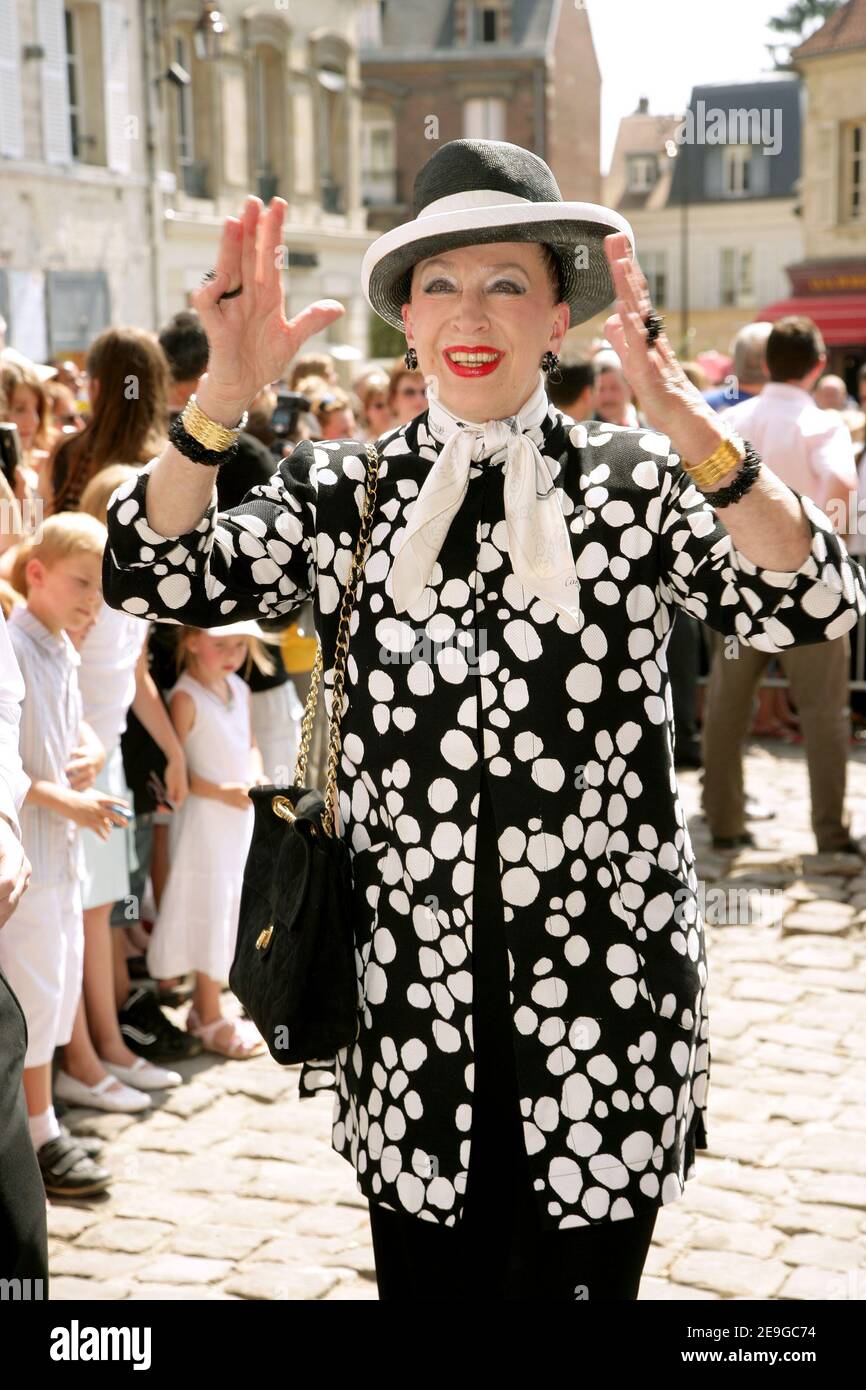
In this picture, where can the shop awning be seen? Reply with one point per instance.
(840, 317)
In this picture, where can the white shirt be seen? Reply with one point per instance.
(51, 716)
(14, 782)
(106, 677)
(808, 448)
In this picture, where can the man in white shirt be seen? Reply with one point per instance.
(23, 1234)
(811, 451)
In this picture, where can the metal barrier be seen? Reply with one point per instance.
(856, 681)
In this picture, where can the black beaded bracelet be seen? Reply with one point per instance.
(749, 470)
(191, 448)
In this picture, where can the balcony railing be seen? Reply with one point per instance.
(332, 196)
(194, 178)
(268, 185)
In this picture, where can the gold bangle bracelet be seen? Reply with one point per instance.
(207, 431)
(729, 455)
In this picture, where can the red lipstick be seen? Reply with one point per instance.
(473, 368)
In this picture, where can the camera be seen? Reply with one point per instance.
(285, 417)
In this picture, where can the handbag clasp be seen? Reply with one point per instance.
(282, 807)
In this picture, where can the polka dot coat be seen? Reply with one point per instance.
(607, 960)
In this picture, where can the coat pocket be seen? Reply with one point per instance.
(661, 912)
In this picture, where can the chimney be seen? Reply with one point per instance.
(643, 107)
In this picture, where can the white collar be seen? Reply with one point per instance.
(58, 645)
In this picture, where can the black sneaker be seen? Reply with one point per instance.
(147, 1032)
(67, 1171)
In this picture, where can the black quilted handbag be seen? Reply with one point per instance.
(294, 960)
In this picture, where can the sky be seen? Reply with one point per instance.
(662, 48)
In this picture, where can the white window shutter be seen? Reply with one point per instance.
(115, 62)
(11, 123)
(825, 174)
(56, 134)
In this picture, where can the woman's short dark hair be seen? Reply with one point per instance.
(554, 270)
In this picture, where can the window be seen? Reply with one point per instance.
(332, 120)
(642, 172)
(73, 78)
(370, 17)
(854, 146)
(736, 170)
(655, 267)
(183, 108)
(193, 171)
(484, 118)
(267, 104)
(78, 309)
(487, 22)
(378, 156)
(262, 135)
(737, 278)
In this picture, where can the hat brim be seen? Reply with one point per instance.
(575, 230)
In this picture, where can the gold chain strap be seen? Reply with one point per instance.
(329, 815)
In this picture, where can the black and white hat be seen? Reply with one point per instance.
(473, 191)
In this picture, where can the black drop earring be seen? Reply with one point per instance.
(550, 364)
(410, 357)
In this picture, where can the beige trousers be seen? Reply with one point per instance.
(818, 676)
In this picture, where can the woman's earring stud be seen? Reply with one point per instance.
(550, 364)
(410, 357)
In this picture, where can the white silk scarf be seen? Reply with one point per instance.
(538, 536)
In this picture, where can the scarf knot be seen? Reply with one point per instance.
(539, 543)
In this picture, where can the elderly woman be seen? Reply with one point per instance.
(528, 1081)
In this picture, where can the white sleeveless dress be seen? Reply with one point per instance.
(197, 924)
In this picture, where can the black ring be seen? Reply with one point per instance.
(208, 275)
(231, 294)
(654, 324)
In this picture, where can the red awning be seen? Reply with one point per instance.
(840, 317)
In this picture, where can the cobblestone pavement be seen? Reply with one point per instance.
(229, 1188)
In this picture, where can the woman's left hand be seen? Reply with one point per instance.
(670, 402)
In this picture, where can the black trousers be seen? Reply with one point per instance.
(499, 1249)
(684, 665)
(23, 1234)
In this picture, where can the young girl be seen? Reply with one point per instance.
(209, 836)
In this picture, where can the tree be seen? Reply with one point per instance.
(798, 22)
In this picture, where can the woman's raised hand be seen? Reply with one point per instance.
(251, 341)
(669, 401)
